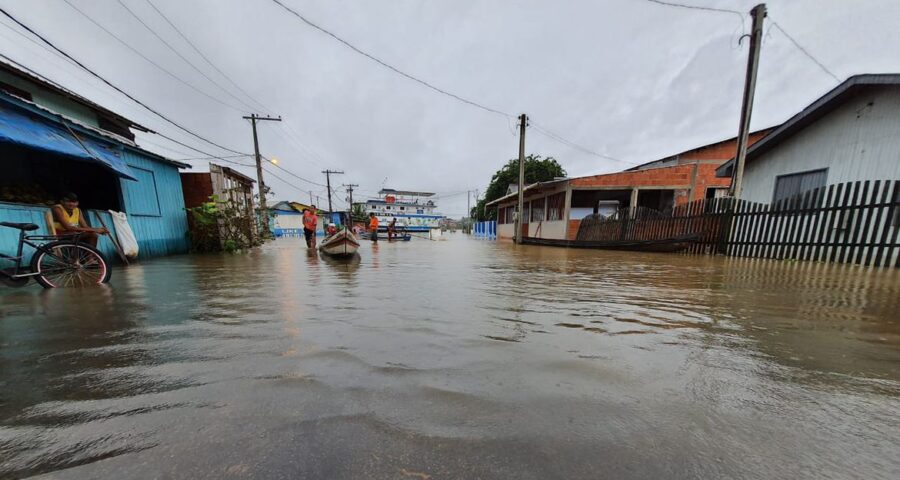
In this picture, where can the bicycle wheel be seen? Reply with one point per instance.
(67, 264)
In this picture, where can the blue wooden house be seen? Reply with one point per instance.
(54, 141)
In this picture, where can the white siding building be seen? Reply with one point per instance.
(852, 133)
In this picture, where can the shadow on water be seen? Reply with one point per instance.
(443, 357)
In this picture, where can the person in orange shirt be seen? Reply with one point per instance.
(310, 222)
(373, 227)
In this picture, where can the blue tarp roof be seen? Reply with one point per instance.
(21, 128)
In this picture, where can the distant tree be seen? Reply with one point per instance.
(537, 169)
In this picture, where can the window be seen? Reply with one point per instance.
(556, 206)
(716, 192)
(537, 210)
(789, 186)
(141, 197)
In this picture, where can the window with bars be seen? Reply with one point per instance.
(537, 210)
(556, 206)
(789, 186)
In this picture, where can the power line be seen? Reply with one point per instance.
(149, 60)
(204, 57)
(554, 136)
(387, 65)
(292, 173)
(564, 141)
(698, 7)
(176, 52)
(806, 52)
(114, 87)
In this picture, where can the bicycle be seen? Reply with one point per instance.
(62, 261)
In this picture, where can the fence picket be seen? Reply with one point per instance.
(886, 229)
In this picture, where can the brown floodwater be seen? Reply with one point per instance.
(460, 358)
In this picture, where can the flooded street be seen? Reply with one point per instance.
(455, 359)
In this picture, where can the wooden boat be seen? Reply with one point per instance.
(342, 244)
(671, 244)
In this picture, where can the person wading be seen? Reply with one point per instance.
(68, 219)
(373, 227)
(392, 229)
(310, 222)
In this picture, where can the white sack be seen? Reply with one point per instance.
(124, 234)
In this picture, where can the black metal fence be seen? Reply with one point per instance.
(854, 222)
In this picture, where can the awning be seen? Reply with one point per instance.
(19, 127)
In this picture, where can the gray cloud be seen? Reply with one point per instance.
(626, 78)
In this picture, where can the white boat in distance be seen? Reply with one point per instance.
(342, 244)
(412, 211)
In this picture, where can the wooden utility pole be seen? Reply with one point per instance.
(328, 174)
(523, 122)
(263, 209)
(759, 14)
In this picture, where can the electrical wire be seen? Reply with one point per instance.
(151, 61)
(114, 87)
(204, 57)
(508, 116)
(176, 52)
(806, 52)
(697, 7)
(560, 139)
(387, 65)
(292, 173)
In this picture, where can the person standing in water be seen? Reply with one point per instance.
(392, 229)
(68, 219)
(373, 227)
(310, 222)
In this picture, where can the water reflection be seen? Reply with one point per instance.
(459, 358)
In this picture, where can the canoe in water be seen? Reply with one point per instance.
(342, 244)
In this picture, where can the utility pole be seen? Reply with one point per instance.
(759, 14)
(263, 210)
(310, 197)
(469, 211)
(328, 183)
(523, 122)
(350, 192)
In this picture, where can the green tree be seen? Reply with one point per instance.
(537, 169)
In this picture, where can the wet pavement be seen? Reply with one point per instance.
(460, 358)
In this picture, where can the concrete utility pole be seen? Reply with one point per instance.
(263, 210)
(350, 192)
(523, 122)
(469, 207)
(328, 183)
(759, 14)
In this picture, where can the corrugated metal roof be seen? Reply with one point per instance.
(85, 128)
(60, 90)
(816, 110)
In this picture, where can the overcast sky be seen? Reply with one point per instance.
(630, 79)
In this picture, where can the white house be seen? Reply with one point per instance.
(852, 133)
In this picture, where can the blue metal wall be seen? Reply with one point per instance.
(154, 205)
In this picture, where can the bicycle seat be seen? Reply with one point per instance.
(21, 226)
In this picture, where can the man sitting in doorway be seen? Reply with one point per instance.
(68, 219)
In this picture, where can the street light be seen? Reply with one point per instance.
(274, 161)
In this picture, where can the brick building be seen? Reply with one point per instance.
(554, 209)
